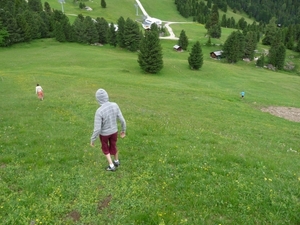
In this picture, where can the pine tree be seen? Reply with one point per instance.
(47, 26)
(233, 49)
(196, 57)
(215, 31)
(150, 56)
(25, 33)
(280, 59)
(277, 51)
(103, 4)
(270, 32)
(102, 28)
(59, 32)
(3, 34)
(120, 33)
(297, 49)
(214, 17)
(183, 41)
(154, 28)
(224, 21)
(91, 34)
(214, 27)
(35, 5)
(242, 24)
(79, 29)
(112, 35)
(208, 43)
(250, 45)
(13, 31)
(132, 35)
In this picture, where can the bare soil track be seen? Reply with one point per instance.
(289, 113)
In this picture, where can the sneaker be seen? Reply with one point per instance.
(117, 163)
(111, 169)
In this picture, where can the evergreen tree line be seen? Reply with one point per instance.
(239, 45)
(22, 22)
(290, 35)
(287, 12)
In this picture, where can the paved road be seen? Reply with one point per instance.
(167, 23)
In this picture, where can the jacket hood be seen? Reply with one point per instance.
(102, 96)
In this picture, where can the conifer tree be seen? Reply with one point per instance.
(208, 43)
(154, 28)
(277, 55)
(79, 29)
(33, 20)
(280, 59)
(150, 56)
(103, 4)
(47, 8)
(112, 35)
(228, 23)
(250, 45)
(277, 51)
(215, 31)
(196, 57)
(35, 5)
(271, 30)
(13, 31)
(241, 24)
(131, 35)
(102, 28)
(91, 34)
(183, 41)
(120, 33)
(3, 34)
(297, 49)
(214, 27)
(232, 22)
(25, 33)
(59, 32)
(233, 49)
(224, 21)
(289, 38)
(47, 26)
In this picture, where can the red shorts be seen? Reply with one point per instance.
(109, 143)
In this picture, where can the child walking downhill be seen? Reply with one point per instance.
(106, 128)
(39, 92)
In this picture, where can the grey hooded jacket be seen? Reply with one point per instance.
(106, 116)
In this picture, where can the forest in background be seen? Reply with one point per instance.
(276, 25)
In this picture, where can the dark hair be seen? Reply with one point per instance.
(37, 85)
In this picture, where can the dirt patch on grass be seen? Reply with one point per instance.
(75, 216)
(289, 113)
(104, 203)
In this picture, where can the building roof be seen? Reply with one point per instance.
(217, 53)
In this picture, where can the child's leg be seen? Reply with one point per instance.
(109, 160)
(116, 156)
(106, 148)
(113, 145)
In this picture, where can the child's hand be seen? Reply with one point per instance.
(92, 144)
(122, 134)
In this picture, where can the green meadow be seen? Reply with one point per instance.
(195, 152)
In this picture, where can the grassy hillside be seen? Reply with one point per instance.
(195, 152)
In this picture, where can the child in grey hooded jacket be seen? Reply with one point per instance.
(106, 128)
